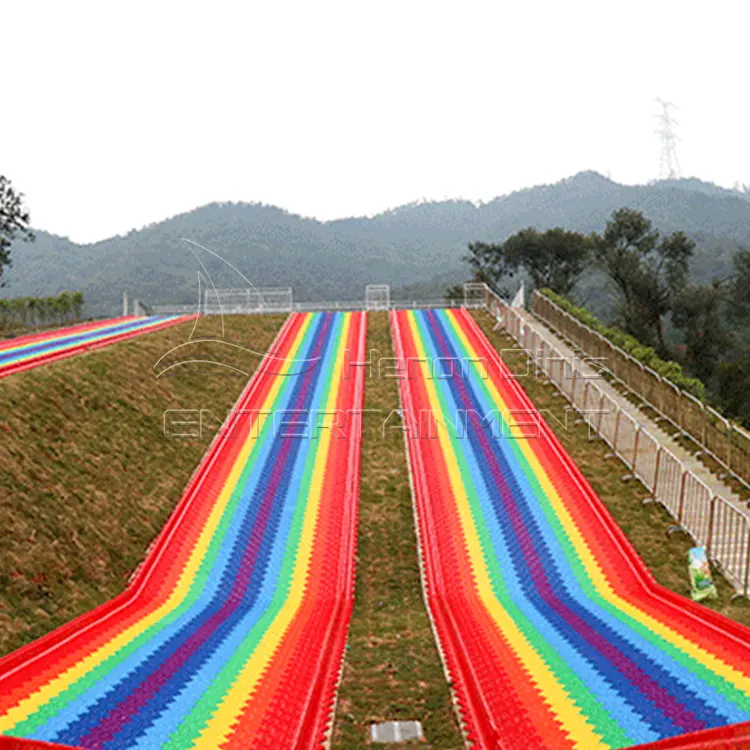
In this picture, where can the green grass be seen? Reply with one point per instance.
(644, 525)
(87, 477)
(392, 669)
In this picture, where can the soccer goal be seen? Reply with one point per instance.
(475, 295)
(377, 297)
(247, 301)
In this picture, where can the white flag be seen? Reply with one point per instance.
(518, 300)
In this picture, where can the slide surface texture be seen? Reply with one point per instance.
(25, 352)
(553, 631)
(232, 632)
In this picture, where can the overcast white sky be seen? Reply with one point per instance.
(117, 115)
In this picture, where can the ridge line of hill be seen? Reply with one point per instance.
(417, 247)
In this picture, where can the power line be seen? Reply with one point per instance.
(669, 167)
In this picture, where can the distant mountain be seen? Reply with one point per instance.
(416, 246)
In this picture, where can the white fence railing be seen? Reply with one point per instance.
(726, 442)
(325, 306)
(378, 297)
(710, 520)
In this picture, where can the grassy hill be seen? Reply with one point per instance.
(87, 476)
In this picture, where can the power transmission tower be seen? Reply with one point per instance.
(670, 165)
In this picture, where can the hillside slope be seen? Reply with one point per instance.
(87, 475)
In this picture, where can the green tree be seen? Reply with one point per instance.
(21, 309)
(700, 312)
(554, 259)
(733, 387)
(31, 305)
(739, 302)
(64, 305)
(648, 271)
(14, 222)
(52, 304)
(42, 308)
(77, 302)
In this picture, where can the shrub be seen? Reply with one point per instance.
(669, 370)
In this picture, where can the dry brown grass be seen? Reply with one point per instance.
(87, 477)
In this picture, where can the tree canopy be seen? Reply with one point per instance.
(648, 271)
(704, 327)
(554, 259)
(14, 221)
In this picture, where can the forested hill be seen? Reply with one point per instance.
(419, 243)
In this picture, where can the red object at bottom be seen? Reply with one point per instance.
(13, 743)
(734, 736)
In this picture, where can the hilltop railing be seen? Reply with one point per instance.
(335, 305)
(710, 519)
(727, 443)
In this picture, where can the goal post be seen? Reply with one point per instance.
(378, 297)
(475, 295)
(248, 300)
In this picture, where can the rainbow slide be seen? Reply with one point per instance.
(25, 352)
(231, 634)
(553, 631)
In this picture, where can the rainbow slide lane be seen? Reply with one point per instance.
(232, 633)
(552, 630)
(25, 352)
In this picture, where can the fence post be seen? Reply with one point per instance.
(682, 496)
(601, 412)
(573, 387)
(747, 556)
(635, 449)
(656, 470)
(711, 526)
(617, 429)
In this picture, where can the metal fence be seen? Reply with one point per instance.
(325, 306)
(710, 519)
(725, 441)
(378, 297)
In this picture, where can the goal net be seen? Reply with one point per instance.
(247, 301)
(377, 297)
